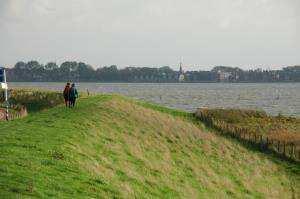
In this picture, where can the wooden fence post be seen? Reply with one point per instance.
(261, 142)
(242, 135)
(292, 149)
(284, 148)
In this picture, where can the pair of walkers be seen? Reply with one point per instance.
(70, 94)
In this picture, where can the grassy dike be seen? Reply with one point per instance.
(111, 146)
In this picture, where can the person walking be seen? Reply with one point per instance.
(66, 94)
(73, 95)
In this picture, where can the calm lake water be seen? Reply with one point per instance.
(274, 98)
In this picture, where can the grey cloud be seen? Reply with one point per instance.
(151, 32)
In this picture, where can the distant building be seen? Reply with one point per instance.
(181, 74)
(224, 76)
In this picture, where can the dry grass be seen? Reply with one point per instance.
(281, 134)
(33, 100)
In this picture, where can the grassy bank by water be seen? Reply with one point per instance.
(34, 100)
(110, 146)
(280, 134)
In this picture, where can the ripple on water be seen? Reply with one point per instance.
(274, 98)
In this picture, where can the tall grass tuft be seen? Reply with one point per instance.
(33, 100)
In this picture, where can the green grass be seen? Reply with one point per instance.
(113, 147)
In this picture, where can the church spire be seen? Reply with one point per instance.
(180, 69)
(181, 73)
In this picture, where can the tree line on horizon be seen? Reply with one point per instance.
(33, 71)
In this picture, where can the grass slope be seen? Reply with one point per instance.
(110, 146)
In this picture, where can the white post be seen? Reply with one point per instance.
(6, 95)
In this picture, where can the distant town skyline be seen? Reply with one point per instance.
(238, 33)
(185, 66)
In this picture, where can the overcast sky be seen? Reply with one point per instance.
(244, 33)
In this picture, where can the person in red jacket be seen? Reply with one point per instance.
(66, 94)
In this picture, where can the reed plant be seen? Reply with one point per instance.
(33, 100)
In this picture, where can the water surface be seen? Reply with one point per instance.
(274, 98)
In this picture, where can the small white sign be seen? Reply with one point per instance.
(4, 85)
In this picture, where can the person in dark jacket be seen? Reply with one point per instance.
(66, 94)
(73, 95)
